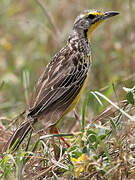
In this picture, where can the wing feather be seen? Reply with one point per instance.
(60, 89)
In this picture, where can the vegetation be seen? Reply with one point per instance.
(101, 129)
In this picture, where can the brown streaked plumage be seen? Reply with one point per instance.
(63, 80)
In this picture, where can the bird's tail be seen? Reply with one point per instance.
(19, 135)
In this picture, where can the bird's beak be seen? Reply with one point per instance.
(108, 15)
(105, 16)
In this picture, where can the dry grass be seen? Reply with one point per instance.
(104, 150)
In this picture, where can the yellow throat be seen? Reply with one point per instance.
(93, 27)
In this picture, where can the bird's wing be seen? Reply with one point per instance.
(60, 84)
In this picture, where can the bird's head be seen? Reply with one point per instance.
(87, 21)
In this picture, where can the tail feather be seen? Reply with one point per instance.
(19, 135)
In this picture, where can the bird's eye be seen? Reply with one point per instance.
(91, 16)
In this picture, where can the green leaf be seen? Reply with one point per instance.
(76, 153)
(71, 167)
(130, 97)
(84, 150)
(91, 132)
(92, 138)
(103, 136)
(72, 148)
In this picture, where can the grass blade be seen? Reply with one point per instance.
(83, 113)
(113, 104)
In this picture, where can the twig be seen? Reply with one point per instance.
(49, 17)
(43, 173)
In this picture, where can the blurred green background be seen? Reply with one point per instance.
(28, 41)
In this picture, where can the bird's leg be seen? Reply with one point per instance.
(54, 130)
(62, 138)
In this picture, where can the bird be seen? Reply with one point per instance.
(63, 80)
